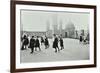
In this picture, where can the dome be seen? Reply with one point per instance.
(69, 26)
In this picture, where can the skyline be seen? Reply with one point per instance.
(38, 20)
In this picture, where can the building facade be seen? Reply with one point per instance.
(68, 32)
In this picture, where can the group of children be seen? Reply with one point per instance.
(58, 39)
(34, 43)
(84, 39)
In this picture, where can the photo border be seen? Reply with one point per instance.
(13, 35)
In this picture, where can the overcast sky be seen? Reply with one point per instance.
(37, 20)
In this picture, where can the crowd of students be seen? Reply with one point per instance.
(35, 43)
(84, 39)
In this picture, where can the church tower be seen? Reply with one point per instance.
(55, 24)
(48, 30)
(60, 27)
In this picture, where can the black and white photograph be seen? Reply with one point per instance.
(50, 36)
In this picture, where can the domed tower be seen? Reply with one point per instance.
(60, 27)
(55, 24)
(69, 30)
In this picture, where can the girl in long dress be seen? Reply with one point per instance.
(32, 43)
(42, 40)
(37, 44)
(55, 43)
(61, 43)
(46, 43)
(25, 42)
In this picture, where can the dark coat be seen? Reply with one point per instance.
(55, 43)
(46, 42)
(81, 38)
(26, 41)
(42, 40)
(61, 42)
(37, 44)
(32, 43)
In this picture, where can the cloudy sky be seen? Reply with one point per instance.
(37, 20)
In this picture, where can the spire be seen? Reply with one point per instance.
(55, 24)
(60, 27)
